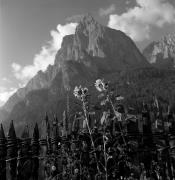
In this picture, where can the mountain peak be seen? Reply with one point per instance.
(162, 52)
(87, 18)
(88, 24)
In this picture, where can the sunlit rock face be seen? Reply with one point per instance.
(162, 53)
(91, 40)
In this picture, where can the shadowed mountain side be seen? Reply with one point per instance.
(136, 85)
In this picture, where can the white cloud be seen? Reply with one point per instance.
(138, 21)
(127, 2)
(5, 93)
(16, 67)
(107, 11)
(62, 30)
(46, 56)
(5, 79)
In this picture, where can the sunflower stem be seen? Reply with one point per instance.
(87, 123)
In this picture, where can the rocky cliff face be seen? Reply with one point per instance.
(93, 51)
(92, 40)
(162, 53)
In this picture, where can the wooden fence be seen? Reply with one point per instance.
(33, 158)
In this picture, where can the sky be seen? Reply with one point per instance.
(31, 31)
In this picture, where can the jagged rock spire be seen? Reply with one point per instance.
(12, 133)
(87, 18)
(25, 133)
(2, 135)
(36, 132)
(161, 52)
(88, 25)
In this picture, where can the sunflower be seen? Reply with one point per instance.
(80, 92)
(101, 85)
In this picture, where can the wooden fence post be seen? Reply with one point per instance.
(55, 134)
(43, 154)
(168, 158)
(24, 162)
(172, 153)
(35, 153)
(12, 150)
(54, 142)
(2, 154)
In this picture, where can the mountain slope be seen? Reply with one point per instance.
(161, 53)
(98, 47)
(93, 51)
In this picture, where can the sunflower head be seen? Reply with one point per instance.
(101, 85)
(80, 92)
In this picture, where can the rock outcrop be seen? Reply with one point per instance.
(161, 53)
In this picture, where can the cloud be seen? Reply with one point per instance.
(16, 67)
(5, 79)
(127, 2)
(107, 11)
(137, 22)
(46, 56)
(5, 93)
(62, 30)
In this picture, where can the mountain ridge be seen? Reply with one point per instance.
(161, 53)
(84, 44)
(93, 51)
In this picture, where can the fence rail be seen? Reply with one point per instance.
(33, 158)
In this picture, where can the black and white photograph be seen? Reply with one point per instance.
(87, 89)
